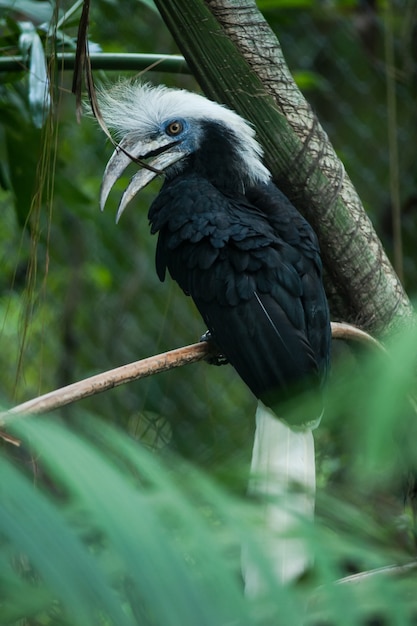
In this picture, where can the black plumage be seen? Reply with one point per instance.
(251, 263)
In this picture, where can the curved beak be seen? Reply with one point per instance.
(130, 149)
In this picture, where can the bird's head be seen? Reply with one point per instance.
(174, 130)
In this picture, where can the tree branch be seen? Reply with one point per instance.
(107, 380)
(142, 369)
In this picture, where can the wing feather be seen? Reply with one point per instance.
(253, 268)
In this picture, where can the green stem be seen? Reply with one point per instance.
(109, 61)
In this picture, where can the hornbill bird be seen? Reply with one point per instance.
(251, 263)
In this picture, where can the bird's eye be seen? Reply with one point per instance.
(174, 128)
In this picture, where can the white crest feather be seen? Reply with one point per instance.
(138, 109)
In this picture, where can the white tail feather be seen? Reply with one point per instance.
(283, 478)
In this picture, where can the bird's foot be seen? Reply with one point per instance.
(215, 357)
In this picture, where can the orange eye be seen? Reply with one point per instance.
(174, 128)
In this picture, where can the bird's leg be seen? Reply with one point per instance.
(215, 357)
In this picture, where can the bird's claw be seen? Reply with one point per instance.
(214, 357)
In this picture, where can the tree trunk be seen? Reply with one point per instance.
(237, 60)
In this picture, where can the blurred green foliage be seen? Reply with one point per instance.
(95, 529)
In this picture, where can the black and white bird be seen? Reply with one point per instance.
(251, 263)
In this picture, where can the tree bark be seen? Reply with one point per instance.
(237, 60)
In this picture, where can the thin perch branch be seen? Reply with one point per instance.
(112, 378)
(141, 369)
(340, 330)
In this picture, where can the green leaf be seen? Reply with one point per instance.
(149, 4)
(37, 12)
(39, 98)
(35, 534)
(118, 517)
